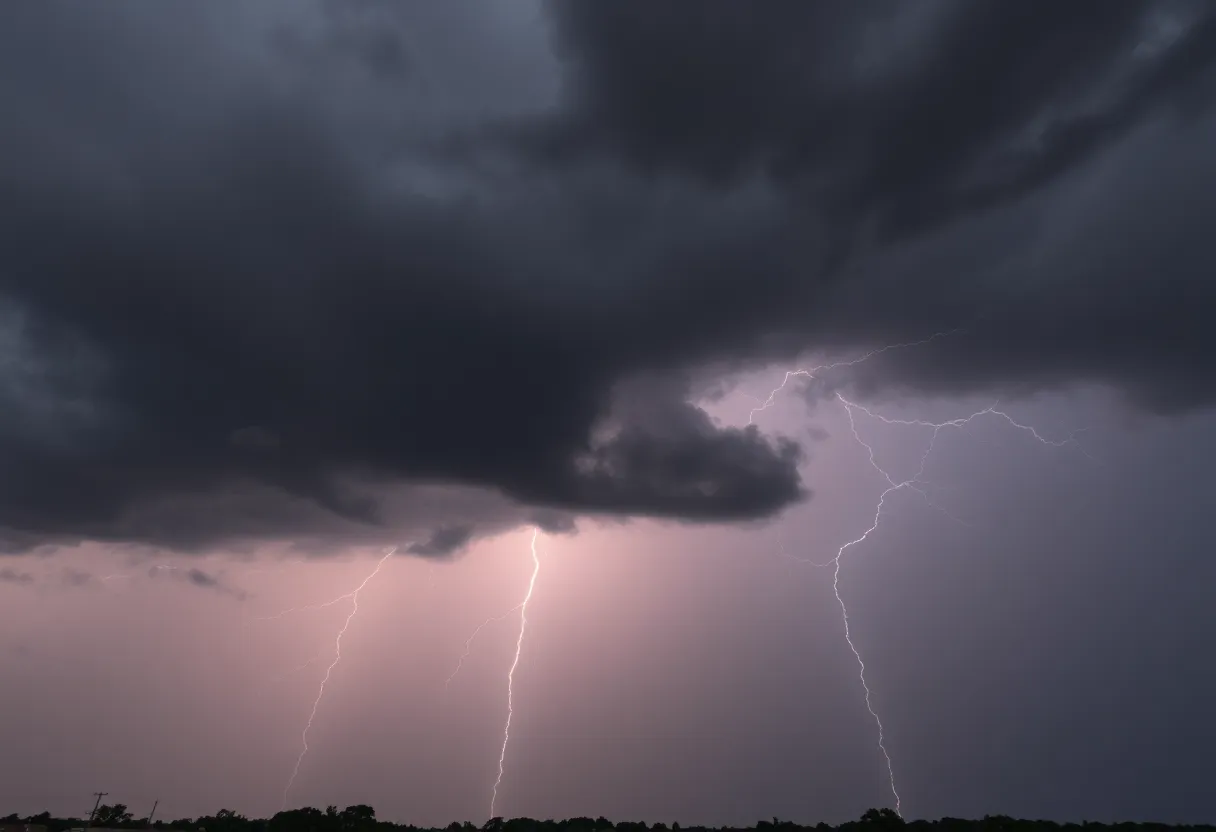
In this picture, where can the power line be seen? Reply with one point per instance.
(93, 814)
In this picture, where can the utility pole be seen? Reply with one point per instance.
(155, 803)
(93, 813)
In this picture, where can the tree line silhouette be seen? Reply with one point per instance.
(362, 818)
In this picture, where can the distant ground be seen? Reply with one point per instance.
(363, 819)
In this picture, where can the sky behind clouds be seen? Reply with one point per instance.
(281, 285)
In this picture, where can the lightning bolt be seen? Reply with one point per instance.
(813, 372)
(795, 559)
(519, 646)
(913, 483)
(331, 602)
(844, 611)
(354, 598)
(468, 645)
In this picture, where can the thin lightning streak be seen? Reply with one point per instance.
(354, 597)
(844, 612)
(1071, 439)
(811, 374)
(913, 483)
(519, 646)
(787, 556)
(892, 487)
(320, 606)
(468, 645)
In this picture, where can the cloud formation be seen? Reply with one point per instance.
(8, 575)
(198, 578)
(263, 269)
(445, 541)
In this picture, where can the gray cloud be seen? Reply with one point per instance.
(197, 578)
(255, 438)
(263, 268)
(444, 541)
(73, 577)
(911, 145)
(553, 522)
(8, 575)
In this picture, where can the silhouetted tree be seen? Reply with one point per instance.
(115, 815)
(306, 819)
(882, 819)
(362, 818)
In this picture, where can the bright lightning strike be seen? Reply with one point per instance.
(468, 645)
(913, 483)
(519, 646)
(844, 612)
(354, 597)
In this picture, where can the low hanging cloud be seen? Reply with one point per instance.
(196, 577)
(444, 541)
(8, 575)
(69, 577)
(266, 275)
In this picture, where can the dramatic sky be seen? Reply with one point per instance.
(283, 284)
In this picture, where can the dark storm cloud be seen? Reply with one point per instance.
(553, 522)
(255, 438)
(904, 115)
(444, 541)
(243, 296)
(1036, 173)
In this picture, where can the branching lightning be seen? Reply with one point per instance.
(354, 598)
(519, 645)
(468, 644)
(915, 483)
(813, 372)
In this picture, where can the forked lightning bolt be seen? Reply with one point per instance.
(468, 644)
(811, 374)
(519, 646)
(913, 483)
(354, 598)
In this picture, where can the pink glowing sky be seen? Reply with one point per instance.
(285, 283)
(664, 665)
